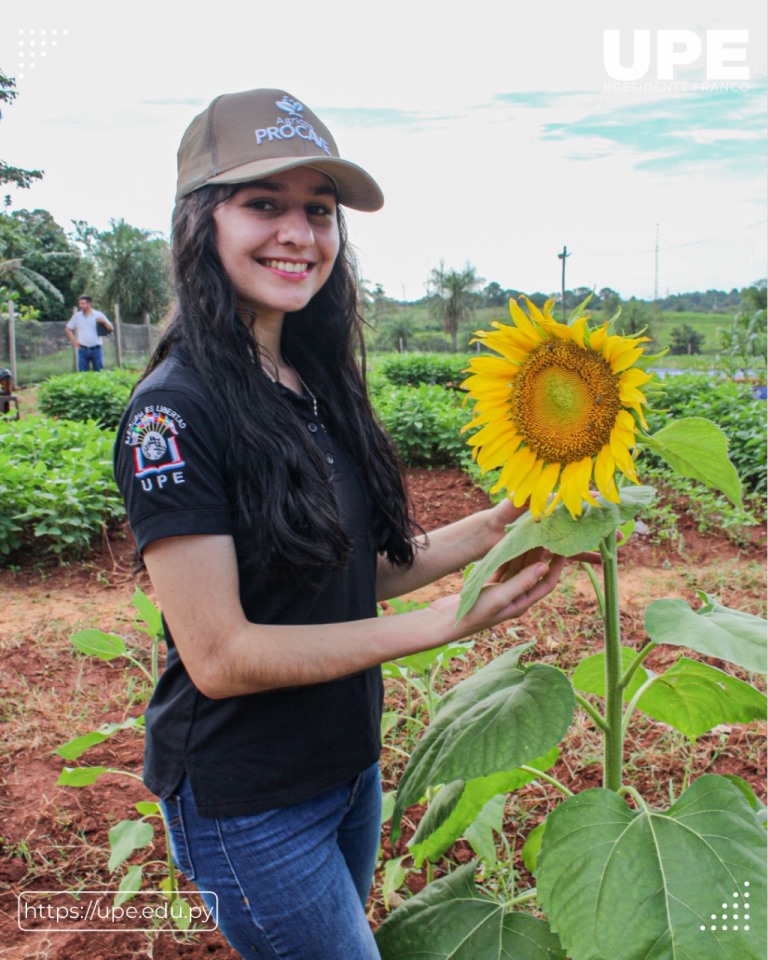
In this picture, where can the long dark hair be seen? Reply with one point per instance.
(288, 514)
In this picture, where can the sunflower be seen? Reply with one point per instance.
(556, 408)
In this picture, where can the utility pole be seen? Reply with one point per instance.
(656, 278)
(562, 256)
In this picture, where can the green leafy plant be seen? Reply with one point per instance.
(424, 422)
(744, 342)
(417, 679)
(129, 835)
(616, 878)
(101, 398)
(57, 492)
(411, 369)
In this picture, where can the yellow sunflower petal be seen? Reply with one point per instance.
(574, 485)
(579, 330)
(605, 475)
(543, 317)
(597, 338)
(544, 488)
(635, 377)
(553, 503)
(523, 323)
(515, 469)
(496, 454)
(622, 353)
(623, 458)
(490, 366)
(524, 489)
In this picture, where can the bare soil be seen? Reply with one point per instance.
(54, 838)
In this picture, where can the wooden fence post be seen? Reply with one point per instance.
(12, 340)
(148, 325)
(118, 335)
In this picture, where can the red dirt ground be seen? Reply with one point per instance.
(54, 838)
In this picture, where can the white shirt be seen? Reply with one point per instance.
(84, 325)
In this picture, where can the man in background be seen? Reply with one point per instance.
(83, 333)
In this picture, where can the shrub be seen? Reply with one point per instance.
(404, 369)
(56, 486)
(98, 397)
(424, 423)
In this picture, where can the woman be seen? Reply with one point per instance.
(270, 511)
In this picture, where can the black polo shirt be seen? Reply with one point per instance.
(250, 753)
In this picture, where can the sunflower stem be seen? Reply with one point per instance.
(613, 737)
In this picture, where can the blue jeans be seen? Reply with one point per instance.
(90, 356)
(292, 882)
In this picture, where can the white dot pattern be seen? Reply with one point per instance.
(32, 50)
(735, 916)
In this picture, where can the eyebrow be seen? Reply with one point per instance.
(321, 190)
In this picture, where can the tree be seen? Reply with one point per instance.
(451, 292)
(686, 340)
(41, 261)
(609, 302)
(8, 174)
(132, 268)
(495, 296)
(19, 283)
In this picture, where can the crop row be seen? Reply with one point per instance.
(57, 492)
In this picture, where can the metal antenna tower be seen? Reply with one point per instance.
(562, 256)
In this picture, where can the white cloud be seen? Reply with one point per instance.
(450, 106)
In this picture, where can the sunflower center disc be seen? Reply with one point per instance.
(564, 402)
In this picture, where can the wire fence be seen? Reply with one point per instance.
(35, 350)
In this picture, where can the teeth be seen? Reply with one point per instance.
(287, 267)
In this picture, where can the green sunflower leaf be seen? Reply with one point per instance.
(558, 532)
(125, 837)
(452, 920)
(80, 776)
(693, 697)
(458, 804)
(620, 884)
(129, 885)
(72, 749)
(481, 833)
(496, 720)
(697, 448)
(714, 630)
(96, 643)
(589, 676)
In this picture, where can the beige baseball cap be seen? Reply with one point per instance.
(247, 136)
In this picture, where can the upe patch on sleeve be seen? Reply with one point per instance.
(154, 435)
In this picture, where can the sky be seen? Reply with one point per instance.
(500, 132)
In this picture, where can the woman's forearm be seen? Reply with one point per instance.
(446, 550)
(195, 579)
(438, 554)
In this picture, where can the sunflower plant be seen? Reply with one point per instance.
(559, 412)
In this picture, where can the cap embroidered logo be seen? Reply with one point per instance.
(293, 125)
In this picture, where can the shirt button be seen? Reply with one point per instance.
(329, 458)
(312, 427)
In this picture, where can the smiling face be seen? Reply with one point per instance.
(278, 239)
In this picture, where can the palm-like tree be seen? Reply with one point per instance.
(133, 270)
(451, 292)
(14, 273)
